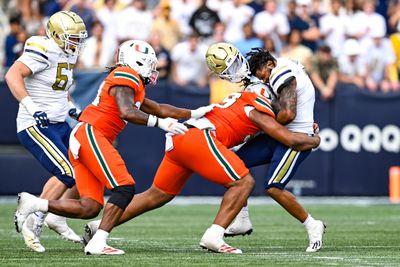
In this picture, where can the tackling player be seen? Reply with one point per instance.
(293, 91)
(120, 99)
(204, 149)
(40, 80)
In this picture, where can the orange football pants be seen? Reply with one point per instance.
(198, 151)
(99, 164)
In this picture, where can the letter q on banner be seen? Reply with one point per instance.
(371, 138)
(329, 140)
(350, 138)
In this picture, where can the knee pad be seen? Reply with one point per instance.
(121, 196)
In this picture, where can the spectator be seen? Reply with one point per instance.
(249, 41)
(107, 15)
(203, 20)
(188, 64)
(271, 22)
(12, 41)
(81, 8)
(395, 40)
(352, 69)
(98, 51)
(167, 27)
(333, 28)
(235, 14)
(307, 25)
(163, 57)
(380, 60)
(295, 50)
(218, 35)
(256, 5)
(393, 13)
(269, 45)
(135, 21)
(367, 21)
(182, 11)
(324, 72)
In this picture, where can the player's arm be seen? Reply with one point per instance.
(297, 141)
(287, 101)
(124, 96)
(165, 110)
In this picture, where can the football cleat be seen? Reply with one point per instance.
(26, 205)
(216, 244)
(240, 226)
(31, 232)
(94, 248)
(316, 235)
(89, 231)
(59, 225)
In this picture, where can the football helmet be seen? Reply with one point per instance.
(227, 62)
(68, 30)
(140, 56)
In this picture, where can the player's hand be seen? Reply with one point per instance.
(172, 126)
(41, 119)
(74, 113)
(316, 128)
(201, 111)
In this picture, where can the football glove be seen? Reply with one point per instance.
(74, 113)
(41, 119)
(201, 111)
(172, 126)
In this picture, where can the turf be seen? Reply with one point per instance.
(356, 236)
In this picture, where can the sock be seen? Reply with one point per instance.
(100, 236)
(39, 217)
(217, 230)
(243, 213)
(309, 222)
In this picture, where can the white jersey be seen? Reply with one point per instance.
(50, 81)
(286, 68)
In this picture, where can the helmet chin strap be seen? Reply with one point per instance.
(145, 80)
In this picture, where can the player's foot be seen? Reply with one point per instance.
(95, 248)
(59, 225)
(89, 231)
(31, 232)
(215, 243)
(240, 226)
(315, 234)
(26, 205)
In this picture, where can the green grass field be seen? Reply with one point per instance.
(356, 236)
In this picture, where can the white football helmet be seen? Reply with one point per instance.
(227, 62)
(140, 56)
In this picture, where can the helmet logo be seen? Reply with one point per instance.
(137, 48)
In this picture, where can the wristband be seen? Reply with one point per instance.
(152, 121)
(30, 106)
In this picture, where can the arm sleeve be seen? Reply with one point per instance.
(279, 76)
(35, 56)
(261, 104)
(125, 77)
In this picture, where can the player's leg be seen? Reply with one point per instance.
(221, 166)
(257, 151)
(104, 161)
(283, 166)
(47, 147)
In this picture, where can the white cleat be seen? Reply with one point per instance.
(59, 225)
(31, 233)
(89, 231)
(216, 244)
(25, 207)
(240, 226)
(316, 235)
(94, 248)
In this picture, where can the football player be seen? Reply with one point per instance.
(120, 99)
(290, 87)
(40, 80)
(204, 149)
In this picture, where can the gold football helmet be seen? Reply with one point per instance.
(68, 30)
(227, 62)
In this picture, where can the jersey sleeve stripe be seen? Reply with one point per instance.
(264, 104)
(275, 71)
(37, 53)
(41, 47)
(128, 76)
(279, 76)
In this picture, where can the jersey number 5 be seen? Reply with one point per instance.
(62, 79)
(229, 100)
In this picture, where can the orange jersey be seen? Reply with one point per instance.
(231, 122)
(103, 113)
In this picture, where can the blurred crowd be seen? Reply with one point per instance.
(349, 41)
